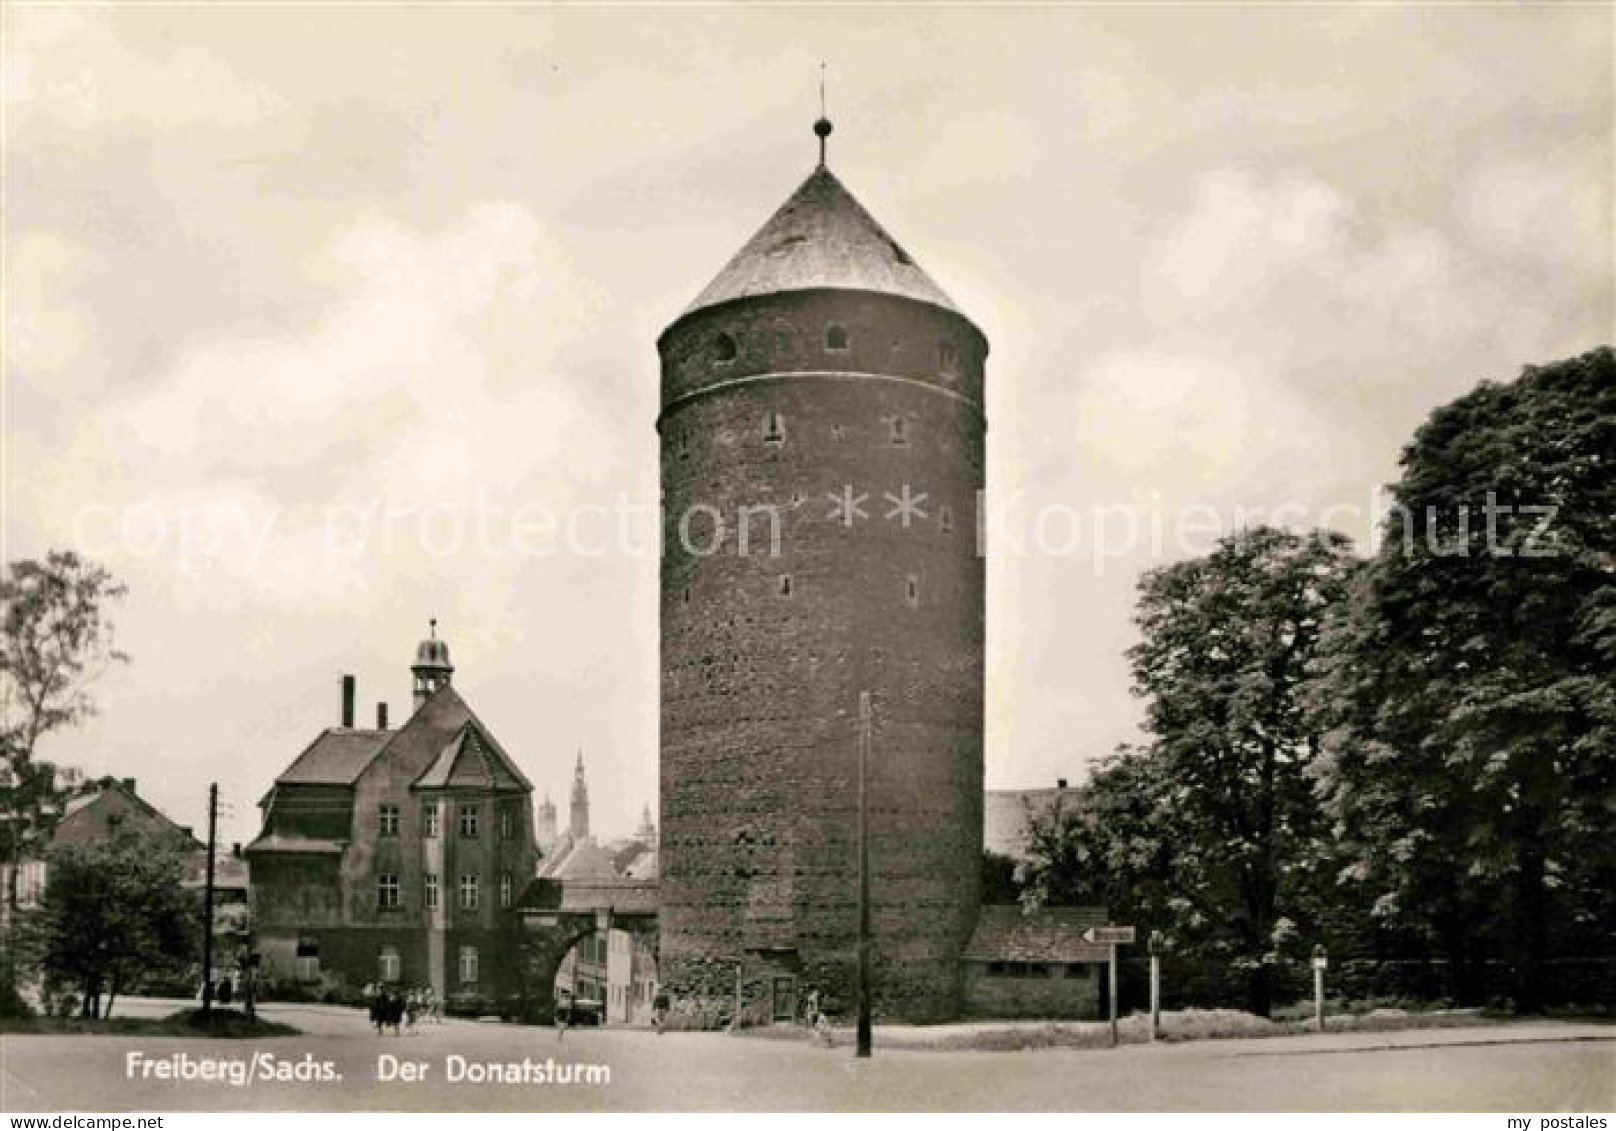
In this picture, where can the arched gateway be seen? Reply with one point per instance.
(555, 914)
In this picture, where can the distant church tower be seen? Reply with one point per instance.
(432, 668)
(544, 831)
(579, 818)
(824, 375)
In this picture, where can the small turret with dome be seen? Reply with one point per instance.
(432, 668)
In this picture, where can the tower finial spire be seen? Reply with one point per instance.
(822, 127)
(433, 626)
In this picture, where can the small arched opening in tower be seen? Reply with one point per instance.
(724, 348)
(774, 428)
(836, 338)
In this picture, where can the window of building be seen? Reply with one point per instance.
(387, 895)
(468, 964)
(507, 824)
(838, 432)
(912, 590)
(429, 820)
(835, 337)
(307, 962)
(774, 428)
(900, 430)
(389, 966)
(429, 889)
(785, 585)
(724, 348)
(947, 359)
(684, 595)
(468, 821)
(684, 447)
(945, 519)
(468, 892)
(505, 886)
(1077, 970)
(389, 820)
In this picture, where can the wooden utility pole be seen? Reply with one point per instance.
(207, 904)
(864, 1024)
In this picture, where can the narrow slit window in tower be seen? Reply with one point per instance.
(774, 431)
(724, 348)
(947, 359)
(945, 519)
(912, 590)
(835, 337)
(785, 585)
(900, 430)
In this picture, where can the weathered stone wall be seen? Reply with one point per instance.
(764, 653)
(1054, 991)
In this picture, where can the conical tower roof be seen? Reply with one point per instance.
(821, 238)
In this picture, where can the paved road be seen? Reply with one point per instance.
(1525, 1067)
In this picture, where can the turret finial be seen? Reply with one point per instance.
(822, 127)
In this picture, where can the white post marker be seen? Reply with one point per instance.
(1110, 937)
(1155, 944)
(1320, 961)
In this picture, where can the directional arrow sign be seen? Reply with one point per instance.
(1108, 936)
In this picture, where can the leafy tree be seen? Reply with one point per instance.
(1209, 832)
(55, 640)
(999, 884)
(114, 913)
(1469, 686)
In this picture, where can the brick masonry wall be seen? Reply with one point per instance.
(1046, 995)
(764, 654)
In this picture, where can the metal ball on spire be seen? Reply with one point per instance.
(822, 127)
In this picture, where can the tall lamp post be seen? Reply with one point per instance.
(864, 1025)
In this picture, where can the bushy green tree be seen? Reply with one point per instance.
(115, 913)
(55, 640)
(1468, 690)
(1208, 833)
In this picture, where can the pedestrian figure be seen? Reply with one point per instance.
(659, 1011)
(412, 1008)
(226, 991)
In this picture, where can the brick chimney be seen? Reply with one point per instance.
(349, 686)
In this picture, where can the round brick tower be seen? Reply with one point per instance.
(822, 436)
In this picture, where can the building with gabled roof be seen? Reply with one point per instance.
(396, 855)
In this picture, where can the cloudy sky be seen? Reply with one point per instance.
(275, 273)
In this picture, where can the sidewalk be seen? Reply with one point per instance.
(1410, 1031)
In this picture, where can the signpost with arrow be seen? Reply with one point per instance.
(1110, 938)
